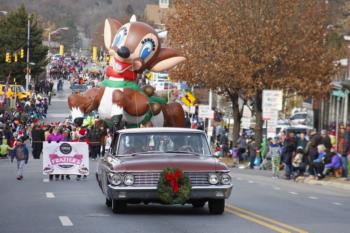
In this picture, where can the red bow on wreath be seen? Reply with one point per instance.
(173, 178)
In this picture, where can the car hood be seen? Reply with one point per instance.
(185, 162)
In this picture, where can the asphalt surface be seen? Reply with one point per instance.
(258, 204)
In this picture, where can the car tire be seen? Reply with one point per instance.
(119, 207)
(198, 204)
(108, 202)
(216, 206)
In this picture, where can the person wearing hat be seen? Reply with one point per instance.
(81, 133)
(298, 162)
(21, 154)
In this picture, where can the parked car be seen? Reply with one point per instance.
(299, 118)
(130, 171)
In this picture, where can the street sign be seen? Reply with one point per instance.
(339, 93)
(269, 115)
(188, 99)
(149, 75)
(210, 131)
(272, 100)
(204, 111)
(245, 122)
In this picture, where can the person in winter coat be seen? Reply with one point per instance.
(55, 136)
(94, 137)
(275, 154)
(289, 147)
(311, 149)
(38, 136)
(318, 163)
(326, 140)
(298, 162)
(21, 154)
(343, 148)
(333, 165)
(252, 147)
(81, 137)
(302, 141)
(4, 148)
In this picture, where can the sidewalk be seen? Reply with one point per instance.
(340, 183)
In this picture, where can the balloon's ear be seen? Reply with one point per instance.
(111, 28)
(167, 59)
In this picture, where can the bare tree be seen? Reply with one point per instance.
(244, 47)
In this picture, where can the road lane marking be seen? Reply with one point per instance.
(46, 180)
(336, 203)
(293, 193)
(277, 188)
(313, 198)
(239, 178)
(250, 182)
(266, 219)
(65, 221)
(262, 223)
(50, 195)
(97, 215)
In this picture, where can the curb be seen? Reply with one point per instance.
(340, 185)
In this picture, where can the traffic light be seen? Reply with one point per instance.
(61, 49)
(22, 53)
(94, 54)
(8, 57)
(107, 58)
(16, 58)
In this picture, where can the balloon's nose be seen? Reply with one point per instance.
(123, 52)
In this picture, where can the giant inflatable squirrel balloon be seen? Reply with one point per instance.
(133, 48)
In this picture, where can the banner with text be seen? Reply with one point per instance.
(66, 158)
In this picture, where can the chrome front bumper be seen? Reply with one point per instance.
(151, 193)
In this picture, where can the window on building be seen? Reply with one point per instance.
(163, 3)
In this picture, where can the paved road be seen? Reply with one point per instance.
(258, 204)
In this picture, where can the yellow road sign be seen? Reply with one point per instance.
(149, 75)
(188, 99)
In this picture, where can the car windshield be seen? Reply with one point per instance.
(170, 142)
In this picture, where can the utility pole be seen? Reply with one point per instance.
(28, 38)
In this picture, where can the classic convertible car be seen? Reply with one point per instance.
(130, 172)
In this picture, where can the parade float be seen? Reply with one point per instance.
(133, 47)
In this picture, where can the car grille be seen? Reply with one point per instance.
(150, 179)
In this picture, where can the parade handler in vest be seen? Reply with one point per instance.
(21, 154)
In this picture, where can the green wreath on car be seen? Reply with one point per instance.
(174, 186)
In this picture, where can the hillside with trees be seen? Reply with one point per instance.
(78, 15)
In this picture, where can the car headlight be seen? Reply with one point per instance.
(129, 179)
(225, 179)
(114, 179)
(213, 179)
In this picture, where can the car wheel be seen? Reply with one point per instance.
(108, 202)
(198, 204)
(216, 206)
(119, 206)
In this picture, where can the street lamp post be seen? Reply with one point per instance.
(53, 32)
(28, 38)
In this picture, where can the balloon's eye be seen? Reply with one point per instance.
(119, 37)
(148, 46)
